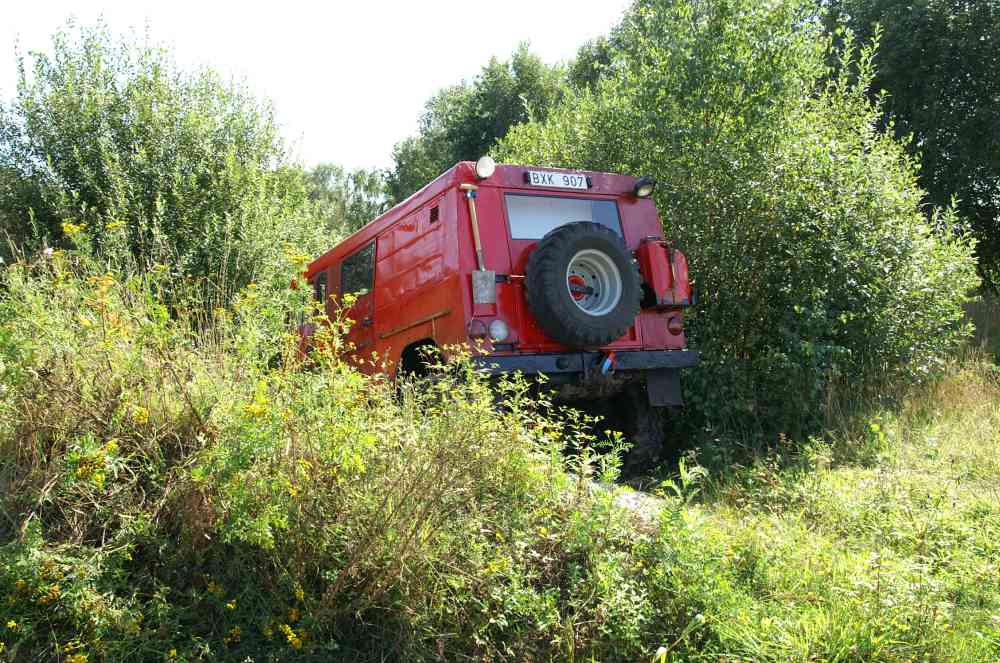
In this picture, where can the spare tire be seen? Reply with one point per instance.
(582, 285)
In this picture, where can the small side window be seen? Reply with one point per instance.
(358, 271)
(319, 287)
(434, 214)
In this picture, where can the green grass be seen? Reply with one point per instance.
(895, 558)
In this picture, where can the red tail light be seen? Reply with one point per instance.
(477, 329)
(675, 325)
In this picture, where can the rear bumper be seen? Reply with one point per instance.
(588, 362)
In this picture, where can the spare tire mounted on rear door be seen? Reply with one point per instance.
(582, 285)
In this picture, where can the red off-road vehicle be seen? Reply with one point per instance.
(559, 272)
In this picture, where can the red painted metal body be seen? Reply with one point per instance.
(424, 256)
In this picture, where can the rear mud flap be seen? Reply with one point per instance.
(663, 387)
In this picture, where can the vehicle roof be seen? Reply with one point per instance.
(506, 176)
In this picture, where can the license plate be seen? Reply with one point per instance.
(557, 180)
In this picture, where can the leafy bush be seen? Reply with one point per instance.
(802, 221)
(113, 137)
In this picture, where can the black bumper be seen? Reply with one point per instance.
(588, 362)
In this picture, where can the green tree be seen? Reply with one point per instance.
(939, 63)
(464, 121)
(346, 199)
(802, 221)
(591, 62)
(184, 169)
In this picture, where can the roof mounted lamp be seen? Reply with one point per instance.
(644, 187)
(485, 167)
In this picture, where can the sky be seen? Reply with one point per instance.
(348, 79)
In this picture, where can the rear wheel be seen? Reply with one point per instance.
(417, 359)
(644, 427)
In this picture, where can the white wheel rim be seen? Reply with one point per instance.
(593, 282)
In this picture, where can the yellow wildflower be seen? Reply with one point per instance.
(3, 647)
(111, 447)
(72, 228)
(255, 409)
(216, 588)
(293, 638)
(140, 415)
(77, 658)
(53, 592)
(12, 625)
(172, 653)
(299, 594)
(231, 605)
(233, 636)
(293, 615)
(115, 225)
(103, 283)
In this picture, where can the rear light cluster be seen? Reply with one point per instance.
(496, 331)
(675, 325)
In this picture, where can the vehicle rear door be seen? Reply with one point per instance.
(531, 214)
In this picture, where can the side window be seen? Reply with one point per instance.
(357, 271)
(319, 287)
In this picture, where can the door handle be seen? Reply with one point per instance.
(367, 322)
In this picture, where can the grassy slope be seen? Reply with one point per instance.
(836, 556)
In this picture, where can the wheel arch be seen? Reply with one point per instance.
(413, 360)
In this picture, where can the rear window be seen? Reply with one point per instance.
(531, 217)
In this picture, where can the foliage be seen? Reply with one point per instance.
(802, 221)
(110, 135)
(347, 199)
(939, 63)
(198, 500)
(195, 504)
(591, 62)
(463, 121)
